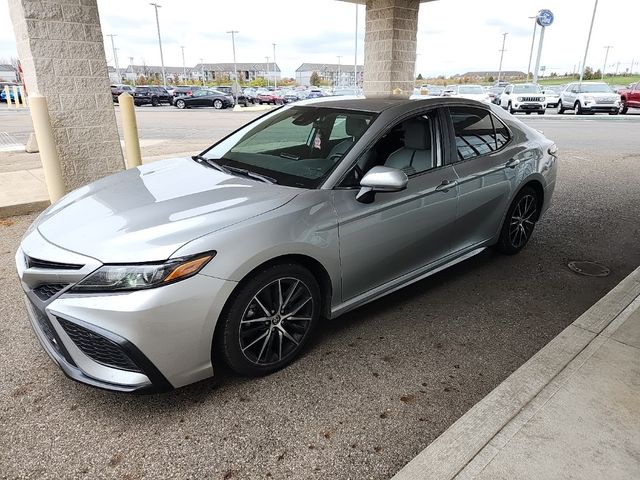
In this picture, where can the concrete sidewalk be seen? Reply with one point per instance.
(571, 412)
(22, 186)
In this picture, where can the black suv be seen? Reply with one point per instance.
(241, 98)
(150, 95)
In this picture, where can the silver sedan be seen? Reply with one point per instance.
(146, 279)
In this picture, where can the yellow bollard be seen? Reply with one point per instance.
(47, 146)
(15, 96)
(130, 130)
(8, 96)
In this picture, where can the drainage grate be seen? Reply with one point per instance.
(590, 269)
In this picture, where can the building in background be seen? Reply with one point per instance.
(8, 73)
(246, 71)
(333, 73)
(173, 74)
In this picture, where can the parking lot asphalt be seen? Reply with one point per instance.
(373, 389)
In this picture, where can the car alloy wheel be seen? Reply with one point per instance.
(560, 109)
(180, 103)
(577, 109)
(217, 104)
(269, 320)
(519, 223)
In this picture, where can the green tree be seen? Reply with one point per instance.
(314, 79)
(419, 77)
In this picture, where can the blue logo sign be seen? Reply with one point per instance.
(545, 18)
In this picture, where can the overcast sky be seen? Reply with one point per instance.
(454, 36)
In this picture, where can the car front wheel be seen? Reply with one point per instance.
(519, 223)
(577, 109)
(217, 104)
(269, 320)
(180, 104)
(560, 109)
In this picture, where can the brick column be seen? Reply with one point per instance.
(390, 46)
(60, 46)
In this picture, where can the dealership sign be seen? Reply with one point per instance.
(545, 18)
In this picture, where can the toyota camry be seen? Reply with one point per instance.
(146, 279)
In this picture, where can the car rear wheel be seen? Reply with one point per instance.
(269, 320)
(217, 104)
(180, 103)
(510, 108)
(154, 102)
(519, 223)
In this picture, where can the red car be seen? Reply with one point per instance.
(268, 97)
(630, 97)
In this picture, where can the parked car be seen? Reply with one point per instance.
(314, 93)
(629, 97)
(494, 94)
(290, 96)
(205, 97)
(117, 89)
(552, 98)
(240, 98)
(523, 97)
(3, 95)
(150, 95)
(184, 90)
(145, 279)
(589, 97)
(471, 92)
(266, 96)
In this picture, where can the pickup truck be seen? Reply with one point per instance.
(629, 97)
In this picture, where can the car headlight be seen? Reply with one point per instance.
(519, 99)
(117, 278)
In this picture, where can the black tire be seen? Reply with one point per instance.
(577, 109)
(624, 109)
(519, 222)
(541, 112)
(274, 341)
(510, 109)
(154, 102)
(217, 104)
(180, 103)
(560, 109)
(615, 112)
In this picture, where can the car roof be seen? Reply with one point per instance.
(379, 104)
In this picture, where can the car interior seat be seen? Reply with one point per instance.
(415, 156)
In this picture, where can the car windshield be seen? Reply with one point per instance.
(297, 146)
(471, 89)
(526, 89)
(595, 88)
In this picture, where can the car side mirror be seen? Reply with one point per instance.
(381, 179)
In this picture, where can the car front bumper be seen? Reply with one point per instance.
(146, 340)
(601, 107)
(529, 107)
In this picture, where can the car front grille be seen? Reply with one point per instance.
(98, 347)
(48, 290)
(45, 264)
(532, 99)
(610, 101)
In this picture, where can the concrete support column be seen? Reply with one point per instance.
(390, 46)
(60, 45)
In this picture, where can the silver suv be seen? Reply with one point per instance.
(589, 97)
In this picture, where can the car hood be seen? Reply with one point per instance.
(147, 213)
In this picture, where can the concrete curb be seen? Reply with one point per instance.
(468, 445)
(23, 208)
(256, 108)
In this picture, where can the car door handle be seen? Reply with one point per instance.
(446, 185)
(513, 163)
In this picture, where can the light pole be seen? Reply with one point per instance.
(339, 61)
(504, 39)
(268, 71)
(586, 49)
(235, 69)
(164, 78)
(355, 56)
(115, 56)
(606, 55)
(533, 41)
(275, 77)
(184, 67)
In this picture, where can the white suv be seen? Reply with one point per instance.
(589, 97)
(523, 97)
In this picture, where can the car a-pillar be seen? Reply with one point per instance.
(390, 46)
(60, 46)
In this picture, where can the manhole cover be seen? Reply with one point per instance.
(590, 269)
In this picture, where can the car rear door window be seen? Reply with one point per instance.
(477, 132)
